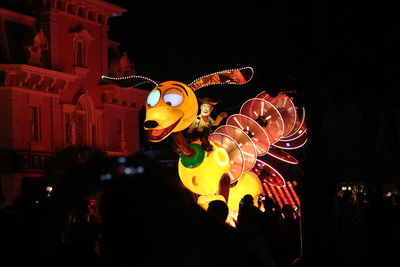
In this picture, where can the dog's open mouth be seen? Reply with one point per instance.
(157, 135)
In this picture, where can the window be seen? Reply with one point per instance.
(80, 12)
(35, 124)
(68, 129)
(81, 39)
(94, 135)
(80, 54)
(81, 131)
(119, 130)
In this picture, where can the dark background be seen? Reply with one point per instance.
(341, 57)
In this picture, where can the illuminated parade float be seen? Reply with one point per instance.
(229, 162)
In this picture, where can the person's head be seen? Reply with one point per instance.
(207, 106)
(247, 200)
(218, 209)
(268, 202)
(206, 109)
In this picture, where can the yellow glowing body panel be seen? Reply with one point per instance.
(248, 183)
(204, 179)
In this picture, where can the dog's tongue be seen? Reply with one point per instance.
(155, 135)
(157, 132)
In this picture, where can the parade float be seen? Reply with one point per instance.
(226, 161)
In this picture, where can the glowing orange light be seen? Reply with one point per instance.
(273, 188)
(296, 197)
(282, 195)
(285, 189)
(268, 191)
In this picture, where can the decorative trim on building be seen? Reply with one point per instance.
(92, 10)
(127, 97)
(35, 78)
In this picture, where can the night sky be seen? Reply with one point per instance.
(341, 58)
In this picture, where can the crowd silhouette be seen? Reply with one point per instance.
(367, 227)
(137, 213)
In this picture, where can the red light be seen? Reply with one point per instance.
(294, 194)
(267, 189)
(285, 188)
(282, 195)
(276, 196)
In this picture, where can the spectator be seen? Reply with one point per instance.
(287, 238)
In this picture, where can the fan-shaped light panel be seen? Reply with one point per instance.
(267, 173)
(299, 128)
(282, 155)
(235, 154)
(266, 115)
(285, 107)
(295, 143)
(256, 133)
(244, 141)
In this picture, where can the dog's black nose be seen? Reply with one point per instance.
(150, 124)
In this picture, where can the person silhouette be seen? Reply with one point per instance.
(218, 209)
(288, 237)
(249, 225)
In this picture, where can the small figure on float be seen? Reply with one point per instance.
(201, 127)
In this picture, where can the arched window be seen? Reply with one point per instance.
(81, 40)
(80, 122)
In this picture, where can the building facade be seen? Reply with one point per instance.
(52, 56)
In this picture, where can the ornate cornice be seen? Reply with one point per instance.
(93, 10)
(128, 97)
(35, 78)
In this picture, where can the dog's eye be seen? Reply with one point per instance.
(153, 97)
(173, 97)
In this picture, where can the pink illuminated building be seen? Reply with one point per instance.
(52, 56)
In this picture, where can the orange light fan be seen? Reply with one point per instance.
(244, 142)
(299, 129)
(282, 155)
(266, 115)
(256, 133)
(285, 107)
(235, 154)
(267, 173)
(297, 138)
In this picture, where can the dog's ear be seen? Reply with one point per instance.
(233, 76)
(129, 81)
